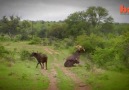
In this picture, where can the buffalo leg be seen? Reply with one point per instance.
(43, 65)
(37, 64)
(46, 65)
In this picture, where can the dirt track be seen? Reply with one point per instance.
(79, 84)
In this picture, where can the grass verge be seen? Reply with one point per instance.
(21, 75)
(64, 82)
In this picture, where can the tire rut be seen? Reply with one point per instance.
(79, 84)
(52, 78)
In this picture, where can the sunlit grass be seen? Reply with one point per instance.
(64, 82)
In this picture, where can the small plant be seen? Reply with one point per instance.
(24, 55)
(3, 51)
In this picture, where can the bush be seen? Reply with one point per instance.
(112, 56)
(36, 40)
(4, 38)
(102, 56)
(90, 42)
(3, 51)
(68, 42)
(22, 37)
(24, 55)
(46, 42)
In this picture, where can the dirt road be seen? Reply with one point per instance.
(52, 74)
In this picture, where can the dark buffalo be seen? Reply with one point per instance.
(41, 58)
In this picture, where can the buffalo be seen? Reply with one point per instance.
(41, 58)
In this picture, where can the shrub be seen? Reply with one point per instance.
(24, 55)
(22, 37)
(68, 42)
(102, 56)
(113, 56)
(3, 51)
(90, 42)
(36, 40)
(4, 38)
(46, 42)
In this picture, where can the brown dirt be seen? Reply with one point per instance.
(48, 51)
(79, 84)
(52, 78)
(52, 75)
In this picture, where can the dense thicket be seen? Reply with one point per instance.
(106, 42)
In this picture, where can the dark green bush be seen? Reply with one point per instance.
(90, 42)
(23, 37)
(25, 55)
(36, 40)
(113, 56)
(3, 51)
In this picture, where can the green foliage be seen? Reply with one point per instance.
(107, 28)
(111, 56)
(4, 37)
(82, 21)
(42, 33)
(23, 36)
(10, 25)
(3, 51)
(125, 49)
(90, 42)
(46, 42)
(102, 56)
(76, 24)
(84, 40)
(57, 31)
(68, 42)
(36, 40)
(25, 55)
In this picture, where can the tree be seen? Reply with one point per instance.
(42, 33)
(58, 31)
(10, 25)
(84, 21)
(77, 24)
(25, 29)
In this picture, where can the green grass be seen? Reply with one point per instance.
(22, 75)
(111, 80)
(19, 46)
(64, 82)
(104, 80)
